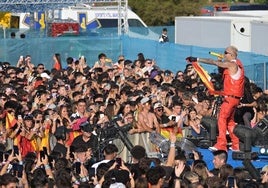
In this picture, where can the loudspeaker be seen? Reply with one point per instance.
(211, 125)
(262, 132)
(247, 137)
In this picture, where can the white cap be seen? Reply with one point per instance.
(145, 100)
(117, 185)
(45, 75)
(158, 105)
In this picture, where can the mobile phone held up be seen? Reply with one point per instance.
(78, 167)
(118, 161)
(231, 182)
(16, 150)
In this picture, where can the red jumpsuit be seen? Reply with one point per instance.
(233, 91)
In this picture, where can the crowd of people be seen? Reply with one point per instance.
(63, 127)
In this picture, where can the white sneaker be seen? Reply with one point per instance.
(212, 148)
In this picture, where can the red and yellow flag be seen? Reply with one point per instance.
(10, 121)
(204, 76)
(72, 136)
(45, 139)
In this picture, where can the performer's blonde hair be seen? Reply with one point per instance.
(234, 50)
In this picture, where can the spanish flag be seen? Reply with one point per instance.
(165, 132)
(204, 76)
(72, 136)
(10, 121)
(45, 139)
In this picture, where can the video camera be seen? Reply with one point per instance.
(114, 131)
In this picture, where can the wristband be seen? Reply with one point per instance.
(47, 167)
(84, 179)
(172, 144)
(165, 125)
(76, 182)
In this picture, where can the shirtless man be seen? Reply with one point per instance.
(146, 124)
(147, 121)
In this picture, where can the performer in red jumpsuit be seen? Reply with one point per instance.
(233, 90)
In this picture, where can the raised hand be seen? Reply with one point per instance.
(191, 59)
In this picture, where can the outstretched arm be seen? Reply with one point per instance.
(219, 62)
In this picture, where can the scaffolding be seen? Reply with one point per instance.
(19, 6)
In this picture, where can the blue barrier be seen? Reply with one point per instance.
(167, 55)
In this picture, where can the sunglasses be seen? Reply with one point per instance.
(41, 67)
(180, 75)
(160, 109)
(225, 52)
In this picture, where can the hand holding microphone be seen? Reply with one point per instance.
(221, 56)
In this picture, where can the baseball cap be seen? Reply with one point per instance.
(86, 127)
(167, 72)
(158, 105)
(145, 100)
(28, 117)
(154, 73)
(45, 75)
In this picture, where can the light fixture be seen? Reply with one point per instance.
(263, 150)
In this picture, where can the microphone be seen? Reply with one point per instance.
(216, 54)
